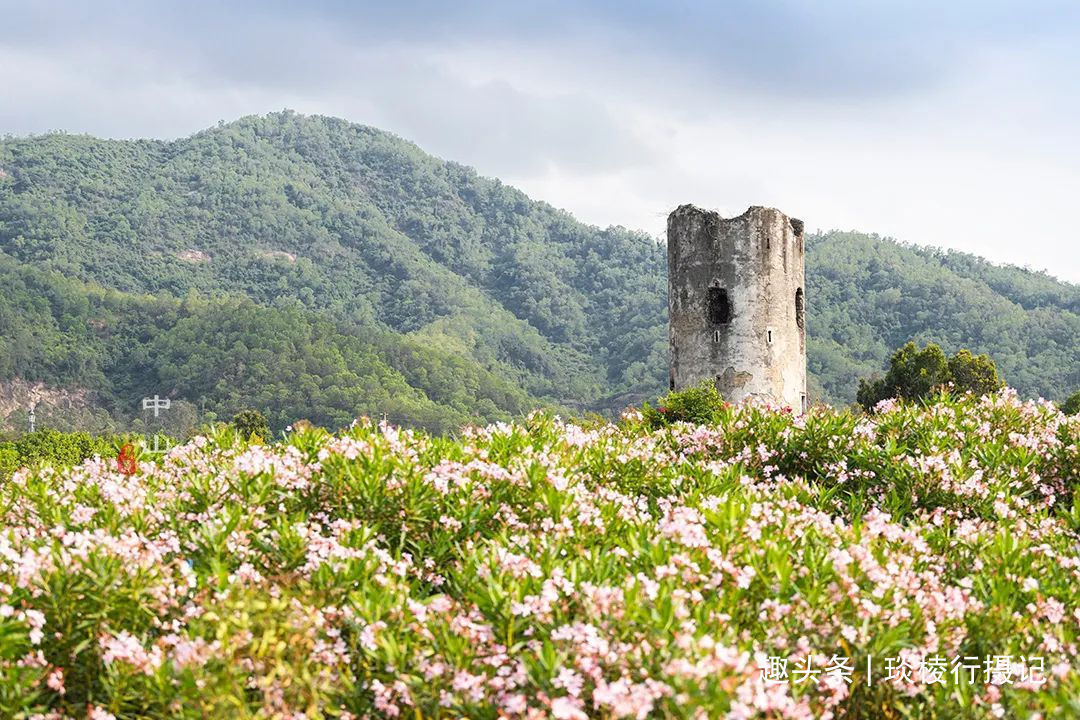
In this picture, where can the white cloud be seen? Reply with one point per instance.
(987, 162)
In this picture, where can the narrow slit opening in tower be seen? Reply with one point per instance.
(800, 309)
(719, 306)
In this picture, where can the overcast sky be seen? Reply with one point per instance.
(941, 123)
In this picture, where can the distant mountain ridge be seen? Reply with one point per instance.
(452, 282)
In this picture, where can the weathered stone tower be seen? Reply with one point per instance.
(736, 303)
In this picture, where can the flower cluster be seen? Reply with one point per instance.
(546, 569)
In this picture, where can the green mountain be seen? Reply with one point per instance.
(320, 269)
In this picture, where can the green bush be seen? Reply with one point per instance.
(252, 423)
(1072, 405)
(60, 449)
(976, 374)
(9, 459)
(700, 404)
(52, 447)
(917, 374)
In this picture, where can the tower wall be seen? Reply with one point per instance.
(736, 300)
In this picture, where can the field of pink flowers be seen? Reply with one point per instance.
(923, 562)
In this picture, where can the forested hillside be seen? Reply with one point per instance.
(219, 355)
(867, 296)
(318, 269)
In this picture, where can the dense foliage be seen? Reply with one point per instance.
(231, 354)
(916, 373)
(251, 423)
(867, 296)
(358, 226)
(701, 405)
(422, 289)
(50, 447)
(547, 570)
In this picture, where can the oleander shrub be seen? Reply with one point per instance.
(543, 569)
(701, 404)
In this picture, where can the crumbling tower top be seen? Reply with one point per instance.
(736, 303)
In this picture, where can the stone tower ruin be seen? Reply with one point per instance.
(736, 304)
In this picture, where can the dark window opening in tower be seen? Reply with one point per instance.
(719, 306)
(716, 336)
(769, 336)
(800, 309)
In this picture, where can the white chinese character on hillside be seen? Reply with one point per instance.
(158, 449)
(155, 403)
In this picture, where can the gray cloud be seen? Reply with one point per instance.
(840, 111)
(172, 80)
(805, 48)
